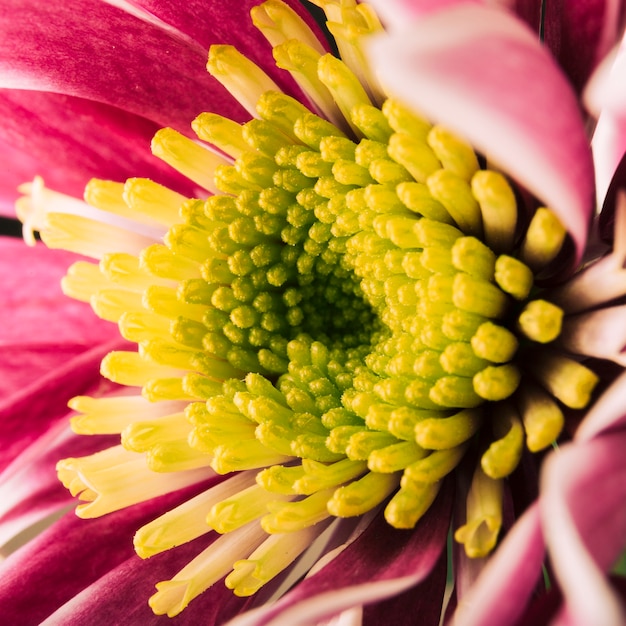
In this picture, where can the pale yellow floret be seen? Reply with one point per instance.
(112, 304)
(542, 418)
(83, 280)
(450, 432)
(222, 132)
(154, 202)
(362, 495)
(107, 195)
(456, 155)
(93, 238)
(279, 22)
(504, 453)
(541, 321)
(344, 86)
(188, 520)
(245, 80)
(484, 515)
(207, 568)
(301, 61)
(110, 415)
(175, 456)
(130, 369)
(410, 503)
(241, 508)
(498, 208)
(435, 466)
(544, 239)
(140, 436)
(350, 24)
(294, 516)
(141, 326)
(189, 158)
(272, 557)
(567, 380)
(116, 478)
(37, 202)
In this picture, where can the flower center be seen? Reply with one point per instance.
(341, 319)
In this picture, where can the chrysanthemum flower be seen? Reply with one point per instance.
(358, 327)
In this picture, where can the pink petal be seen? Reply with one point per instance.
(501, 592)
(396, 13)
(32, 410)
(380, 563)
(482, 74)
(605, 98)
(584, 521)
(29, 487)
(41, 328)
(69, 140)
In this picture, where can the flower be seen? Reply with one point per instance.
(364, 310)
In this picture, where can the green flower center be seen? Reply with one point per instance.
(364, 327)
(351, 313)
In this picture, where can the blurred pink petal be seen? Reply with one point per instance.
(439, 67)
(584, 521)
(605, 97)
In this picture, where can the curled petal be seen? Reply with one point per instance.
(584, 521)
(396, 13)
(480, 72)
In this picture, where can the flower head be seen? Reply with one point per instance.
(358, 308)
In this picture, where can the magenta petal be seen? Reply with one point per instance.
(580, 34)
(380, 563)
(213, 21)
(424, 600)
(34, 309)
(584, 520)
(29, 413)
(121, 595)
(29, 487)
(480, 72)
(93, 50)
(69, 140)
(71, 555)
